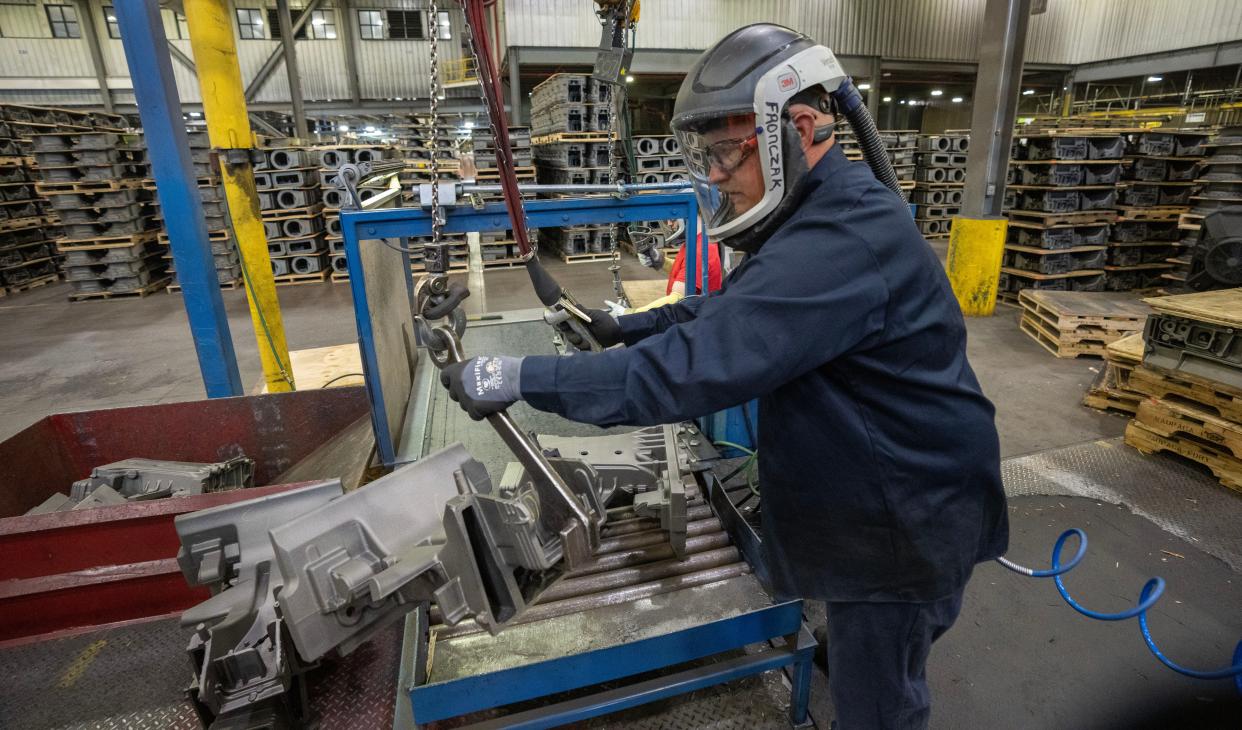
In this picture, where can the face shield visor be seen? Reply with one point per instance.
(722, 158)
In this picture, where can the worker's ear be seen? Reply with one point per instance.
(803, 118)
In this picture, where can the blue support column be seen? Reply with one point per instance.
(146, 51)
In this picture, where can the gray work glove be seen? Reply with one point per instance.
(603, 327)
(484, 385)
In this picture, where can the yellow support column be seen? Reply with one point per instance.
(976, 246)
(228, 128)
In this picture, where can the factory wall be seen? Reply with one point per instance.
(386, 68)
(1069, 32)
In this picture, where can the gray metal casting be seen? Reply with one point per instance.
(137, 479)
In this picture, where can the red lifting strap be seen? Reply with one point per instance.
(500, 122)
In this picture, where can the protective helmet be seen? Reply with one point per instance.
(734, 103)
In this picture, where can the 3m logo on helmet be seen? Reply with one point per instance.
(787, 81)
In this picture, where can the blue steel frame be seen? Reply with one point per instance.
(146, 48)
(363, 225)
(432, 702)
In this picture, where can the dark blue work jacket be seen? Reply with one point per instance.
(879, 463)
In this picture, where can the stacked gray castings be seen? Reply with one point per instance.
(1220, 187)
(27, 251)
(1060, 195)
(902, 146)
(940, 175)
(569, 103)
(658, 159)
(290, 187)
(97, 184)
(1156, 188)
(334, 197)
(215, 213)
(498, 248)
(572, 145)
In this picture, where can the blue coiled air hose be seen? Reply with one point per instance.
(1151, 593)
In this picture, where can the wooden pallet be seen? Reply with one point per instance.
(139, 293)
(1174, 420)
(309, 211)
(1223, 306)
(1225, 468)
(1008, 299)
(295, 279)
(226, 286)
(572, 137)
(1059, 343)
(1069, 310)
(1077, 218)
(83, 187)
(1224, 401)
(1107, 399)
(28, 285)
(1126, 351)
(21, 224)
(1190, 221)
(1155, 214)
(340, 277)
(582, 258)
(79, 244)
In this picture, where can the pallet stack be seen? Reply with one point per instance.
(659, 159)
(1070, 324)
(97, 182)
(1111, 390)
(1191, 382)
(290, 202)
(1155, 192)
(27, 253)
(572, 146)
(940, 175)
(215, 214)
(1220, 186)
(498, 249)
(901, 145)
(1060, 208)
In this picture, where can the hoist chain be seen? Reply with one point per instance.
(436, 253)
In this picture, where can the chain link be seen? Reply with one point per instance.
(433, 137)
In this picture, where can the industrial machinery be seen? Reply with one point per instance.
(299, 574)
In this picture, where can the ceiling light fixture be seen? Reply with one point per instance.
(956, 100)
(864, 87)
(937, 92)
(886, 99)
(1028, 92)
(1154, 79)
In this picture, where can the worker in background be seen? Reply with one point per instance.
(879, 458)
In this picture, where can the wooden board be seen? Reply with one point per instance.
(1127, 350)
(642, 292)
(139, 293)
(1173, 420)
(32, 284)
(1223, 306)
(1107, 400)
(320, 367)
(1156, 214)
(1050, 251)
(1077, 218)
(1227, 469)
(295, 279)
(1224, 401)
(1024, 274)
(1069, 310)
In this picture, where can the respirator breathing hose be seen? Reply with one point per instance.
(1151, 593)
(850, 103)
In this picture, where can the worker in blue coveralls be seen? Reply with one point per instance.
(879, 459)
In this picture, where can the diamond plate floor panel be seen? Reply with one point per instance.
(1178, 496)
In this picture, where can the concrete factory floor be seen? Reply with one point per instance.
(1018, 657)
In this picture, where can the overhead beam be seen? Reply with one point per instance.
(1154, 64)
(515, 86)
(180, 56)
(276, 56)
(291, 66)
(90, 31)
(351, 38)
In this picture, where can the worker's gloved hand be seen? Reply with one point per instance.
(603, 327)
(484, 385)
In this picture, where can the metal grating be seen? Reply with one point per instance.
(1178, 496)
